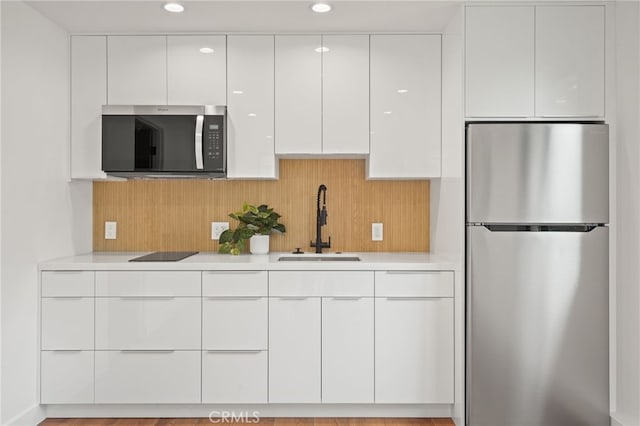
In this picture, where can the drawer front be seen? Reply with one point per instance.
(148, 283)
(67, 283)
(66, 377)
(234, 377)
(67, 323)
(234, 283)
(143, 377)
(148, 323)
(414, 283)
(234, 323)
(321, 283)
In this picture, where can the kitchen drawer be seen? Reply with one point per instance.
(67, 283)
(67, 323)
(148, 377)
(234, 283)
(66, 377)
(320, 283)
(148, 283)
(414, 283)
(234, 323)
(234, 377)
(148, 323)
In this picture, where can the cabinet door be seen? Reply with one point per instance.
(88, 94)
(414, 350)
(67, 323)
(195, 76)
(66, 377)
(231, 323)
(148, 323)
(570, 61)
(294, 350)
(347, 350)
(345, 94)
(234, 377)
(148, 377)
(137, 70)
(499, 61)
(298, 94)
(405, 107)
(250, 107)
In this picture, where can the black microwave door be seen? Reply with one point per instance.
(148, 143)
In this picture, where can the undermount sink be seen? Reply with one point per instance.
(319, 258)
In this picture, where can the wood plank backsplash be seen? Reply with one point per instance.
(155, 215)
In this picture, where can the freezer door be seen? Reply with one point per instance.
(537, 173)
(537, 328)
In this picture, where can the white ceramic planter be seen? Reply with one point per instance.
(259, 244)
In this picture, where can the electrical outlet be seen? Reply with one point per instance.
(110, 230)
(217, 228)
(376, 232)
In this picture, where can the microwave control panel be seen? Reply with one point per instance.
(213, 142)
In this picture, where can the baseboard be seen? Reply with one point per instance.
(615, 422)
(29, 417)
(266, 410)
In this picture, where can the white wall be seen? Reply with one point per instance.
(43, 216)
(627, 214)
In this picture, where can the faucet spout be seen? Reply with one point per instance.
(321, 220)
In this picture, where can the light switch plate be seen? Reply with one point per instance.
(110, 230)
(217, 228)
(376, 232)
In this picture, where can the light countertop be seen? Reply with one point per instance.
(214, 261)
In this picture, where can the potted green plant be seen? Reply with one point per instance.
(256, 224)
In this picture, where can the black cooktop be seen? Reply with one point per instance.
(164, 256)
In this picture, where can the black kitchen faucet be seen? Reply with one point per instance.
(321, 220)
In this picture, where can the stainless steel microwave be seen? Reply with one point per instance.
(164, 141)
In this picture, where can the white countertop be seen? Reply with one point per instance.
(214, 261)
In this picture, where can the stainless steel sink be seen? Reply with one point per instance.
(318, 258)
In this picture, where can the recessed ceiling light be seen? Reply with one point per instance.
(388, 112)
(237, 92)
(403, 90)
(322, 49)
(174, 7)
(321, 7)
(206, 50)
(251, 114)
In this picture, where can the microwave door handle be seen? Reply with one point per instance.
(198, 142)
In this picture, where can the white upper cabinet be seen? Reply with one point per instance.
(250, 110)
(500, 61)
(197, 70)
(570, 61)
(322, 94)
(345, 94)
(137, 70)
(298, 98)
(88, 94)
(535, 61)
(405, 107)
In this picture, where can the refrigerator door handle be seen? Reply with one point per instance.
(542, 228)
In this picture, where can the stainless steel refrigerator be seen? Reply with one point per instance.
(537, 285)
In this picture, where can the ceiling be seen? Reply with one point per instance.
(251, 16)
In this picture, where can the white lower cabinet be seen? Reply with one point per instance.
(234, 377)
(294, 350)
(147, 377)
(347, 350)
(414, 350)
(148, 323)
(234, 323)
(66, 377)
(67, 323)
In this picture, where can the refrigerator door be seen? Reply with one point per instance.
(537, 173)
(537, 336)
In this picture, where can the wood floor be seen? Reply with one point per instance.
(265, 421)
